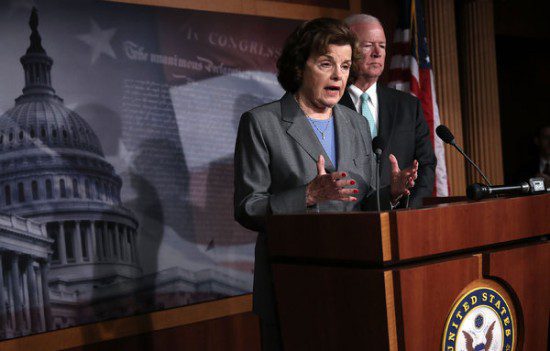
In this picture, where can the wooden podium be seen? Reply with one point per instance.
(388, 281)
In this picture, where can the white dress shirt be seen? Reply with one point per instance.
(356, 93)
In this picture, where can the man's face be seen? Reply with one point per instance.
(372, 42)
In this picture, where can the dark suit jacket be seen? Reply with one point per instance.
(402, 126)
(275, 158)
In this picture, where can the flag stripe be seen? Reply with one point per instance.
(411, 71)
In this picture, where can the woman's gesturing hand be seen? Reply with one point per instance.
(402, 179)
(329, 186)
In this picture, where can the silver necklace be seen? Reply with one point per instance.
(314, 122)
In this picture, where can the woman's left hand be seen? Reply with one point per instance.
(331, 186)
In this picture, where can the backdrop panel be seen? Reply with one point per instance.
(116, 158)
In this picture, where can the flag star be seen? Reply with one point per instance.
(99, 41)
(427, 59)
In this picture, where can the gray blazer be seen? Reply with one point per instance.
(275, 158)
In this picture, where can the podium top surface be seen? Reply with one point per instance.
(389, 237)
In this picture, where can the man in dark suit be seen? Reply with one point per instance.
(393, 115)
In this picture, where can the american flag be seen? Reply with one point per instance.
(411, 71)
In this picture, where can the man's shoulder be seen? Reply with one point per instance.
(397, 94)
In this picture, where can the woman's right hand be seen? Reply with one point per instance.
(329, 186)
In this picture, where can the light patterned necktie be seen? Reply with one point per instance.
(365, 111)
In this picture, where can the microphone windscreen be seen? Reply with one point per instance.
(475, 191)
(444, 134)
(378, 143)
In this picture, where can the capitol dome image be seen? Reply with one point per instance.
(69, 244)
(53, 173)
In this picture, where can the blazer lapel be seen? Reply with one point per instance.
(344, 138)
(386, 115)
(347, 101)
(386, 119)
(300, 130)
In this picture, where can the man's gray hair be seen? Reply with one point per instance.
(361, 18)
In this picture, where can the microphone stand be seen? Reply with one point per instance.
(471, 162)
(378, 145)
(445, 134)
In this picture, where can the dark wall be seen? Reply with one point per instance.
(523, 56)
(524, 99)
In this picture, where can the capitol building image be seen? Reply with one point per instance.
(68, 246)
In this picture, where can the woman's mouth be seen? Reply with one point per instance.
(332, 89)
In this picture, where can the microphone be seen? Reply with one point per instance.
(378, 145)
(445, 134)
(480, 191)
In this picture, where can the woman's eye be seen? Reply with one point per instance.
(325, 65)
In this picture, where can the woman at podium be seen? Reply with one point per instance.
(305, 152)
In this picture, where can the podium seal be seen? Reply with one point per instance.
(482, 319)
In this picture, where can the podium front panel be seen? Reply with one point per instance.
(331, 308)
(427, 294)
(526, 271)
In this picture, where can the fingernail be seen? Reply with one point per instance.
(355, 191)
(352, 182)
(343, 174)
